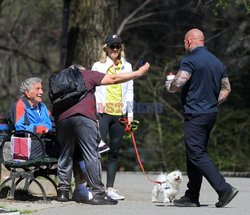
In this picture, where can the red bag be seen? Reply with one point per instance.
(20, 148)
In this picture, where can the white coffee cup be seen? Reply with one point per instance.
(170, 77)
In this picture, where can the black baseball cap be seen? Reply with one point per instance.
(113, 39)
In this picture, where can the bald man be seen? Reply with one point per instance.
(204, 84)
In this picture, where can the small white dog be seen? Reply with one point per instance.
(168, 186)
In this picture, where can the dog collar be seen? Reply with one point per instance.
(166, 188)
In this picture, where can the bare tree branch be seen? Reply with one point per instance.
(140, 18)
(198, 5)
(128, 18)
(179, 115)
(216, 35)
(64, 34)
(25, 55)
(127, 27)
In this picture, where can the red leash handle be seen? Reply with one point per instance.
(127, 126)
(129, 130)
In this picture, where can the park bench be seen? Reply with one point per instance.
(21, 164)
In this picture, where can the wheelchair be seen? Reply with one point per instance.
(27, 156)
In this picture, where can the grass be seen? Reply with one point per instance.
(27, 211)
(20, 211)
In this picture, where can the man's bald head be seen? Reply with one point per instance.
(193, 39)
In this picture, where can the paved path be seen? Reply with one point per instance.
(137, 189)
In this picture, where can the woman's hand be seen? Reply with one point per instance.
(130, 120)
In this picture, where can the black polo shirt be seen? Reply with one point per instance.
(200, 94)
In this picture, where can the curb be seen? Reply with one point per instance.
(224, 173)
(236, 174)
(7, 212)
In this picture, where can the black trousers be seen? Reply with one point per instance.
(84, 132)
(197, 129)
(111, 124)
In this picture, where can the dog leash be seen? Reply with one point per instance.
(130, 130)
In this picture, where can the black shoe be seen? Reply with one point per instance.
(185, 202)
(63, 196)
(101, 200)
(226, 197)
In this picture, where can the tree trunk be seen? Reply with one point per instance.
(90, 23)
(64, 34)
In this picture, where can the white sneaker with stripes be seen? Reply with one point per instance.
(112, 193)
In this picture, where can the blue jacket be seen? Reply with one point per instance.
(26, 117)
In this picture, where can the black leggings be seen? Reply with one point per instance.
(111, 124)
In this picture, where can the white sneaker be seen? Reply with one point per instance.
(102, 143)
(103, 147)
(112, 193)
(90, 195)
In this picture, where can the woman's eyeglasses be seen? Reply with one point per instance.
(114, 46)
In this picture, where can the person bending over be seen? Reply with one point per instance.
(79, 125)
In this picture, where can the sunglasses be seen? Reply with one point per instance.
(115, 46)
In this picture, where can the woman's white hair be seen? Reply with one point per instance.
(27, 84)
